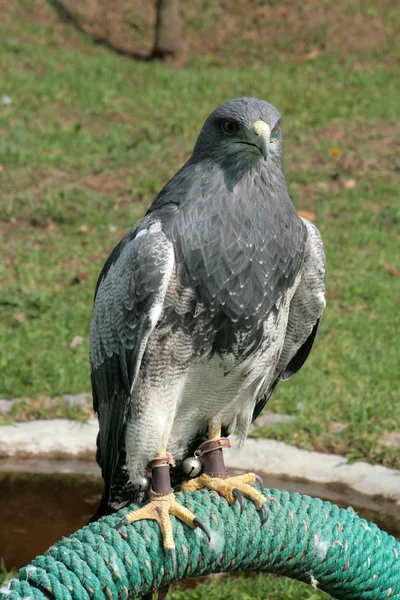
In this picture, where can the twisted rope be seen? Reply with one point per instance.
(304, 538)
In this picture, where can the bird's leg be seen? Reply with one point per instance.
(215, 476)
(163, 504)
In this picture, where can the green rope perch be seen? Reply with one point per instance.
(304, 538)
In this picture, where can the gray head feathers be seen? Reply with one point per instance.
(246, 111)
(239, 141)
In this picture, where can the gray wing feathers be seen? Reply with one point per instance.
(128, 295)
(307, 303)
(306, 307)
(128, 304)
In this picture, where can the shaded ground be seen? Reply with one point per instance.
(90, 136)
(238, 32)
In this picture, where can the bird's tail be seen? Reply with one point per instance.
(103, 510)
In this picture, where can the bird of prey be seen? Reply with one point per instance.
(209, 301)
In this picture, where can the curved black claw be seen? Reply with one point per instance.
(239, 497)
(203, 527)
(259, 481)
(121, 523)
(264, 512)
(172, 555)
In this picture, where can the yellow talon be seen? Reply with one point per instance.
(159, 509)
(225, 486)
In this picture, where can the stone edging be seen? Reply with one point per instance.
(63, 439)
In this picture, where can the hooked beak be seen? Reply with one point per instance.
(263, 133)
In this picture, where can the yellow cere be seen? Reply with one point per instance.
(261, 127)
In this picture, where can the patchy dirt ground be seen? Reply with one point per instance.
(44, 407)
(229, 32)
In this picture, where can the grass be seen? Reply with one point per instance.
(89, 139)
(4, 574)
(255, 587)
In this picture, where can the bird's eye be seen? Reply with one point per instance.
(276, 129)
(230, 127)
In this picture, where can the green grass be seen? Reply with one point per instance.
(4, 574)
(255, 587)
(89, 139)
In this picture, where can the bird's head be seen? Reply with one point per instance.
(242, 131)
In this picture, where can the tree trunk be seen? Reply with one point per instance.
(169, 43)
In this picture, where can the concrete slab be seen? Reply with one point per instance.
(280, 459)
(76, 399)
(59, 438)
(6, 405)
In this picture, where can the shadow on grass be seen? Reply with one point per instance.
(67, 17)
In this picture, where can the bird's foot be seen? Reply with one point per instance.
(159, 509)
(231, 488)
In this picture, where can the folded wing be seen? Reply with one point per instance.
(128, 303)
